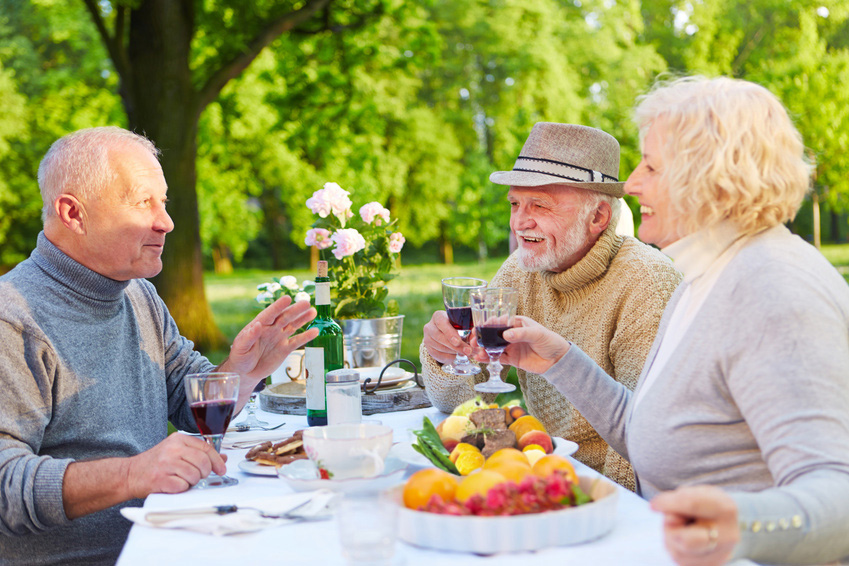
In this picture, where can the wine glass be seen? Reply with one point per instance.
(493, 311)
(251, 421)
(212, 397)
(456, 294)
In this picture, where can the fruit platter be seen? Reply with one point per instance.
(497, 486)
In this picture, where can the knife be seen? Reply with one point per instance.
(162, 517)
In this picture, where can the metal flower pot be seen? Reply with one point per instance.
(372, 342)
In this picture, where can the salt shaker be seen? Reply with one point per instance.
(343, 397)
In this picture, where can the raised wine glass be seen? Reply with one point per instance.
(493, 311)
(456, 294)
(212, 397)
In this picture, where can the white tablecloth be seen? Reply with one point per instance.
(636, 539)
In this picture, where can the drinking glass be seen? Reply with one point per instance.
(368, 529)
(251, 420)
(493, 311)
(456, 294)
(212, 397)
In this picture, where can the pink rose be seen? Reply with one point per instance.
(331, 199)
(396, 242)
(318, 237)
(348, 242)
(374, 212)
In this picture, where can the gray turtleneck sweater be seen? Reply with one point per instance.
(89, 368)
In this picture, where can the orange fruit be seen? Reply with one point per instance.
(513, 471)
(525, 424)
(469, 461)
(426, 483)
(478, 483)
(460, 448)
(506, 454)
(547, 464)
(533, 447)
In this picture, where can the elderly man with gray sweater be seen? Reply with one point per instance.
(92, 364)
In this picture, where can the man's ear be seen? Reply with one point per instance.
(600, 218)
(71, 213)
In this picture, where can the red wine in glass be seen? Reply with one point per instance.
(212, 399)
(456, 296)
(492, 337)
(493, 310)
(460, 317)
(213, 417)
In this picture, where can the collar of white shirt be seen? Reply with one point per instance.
(694, 254)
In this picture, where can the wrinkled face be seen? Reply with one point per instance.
(551, 229)
(126, 226)
(658, 224)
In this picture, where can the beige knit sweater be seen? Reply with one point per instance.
(609, 304)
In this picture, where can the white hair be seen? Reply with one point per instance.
(79, 164)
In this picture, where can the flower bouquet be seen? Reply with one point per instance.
(361, 252)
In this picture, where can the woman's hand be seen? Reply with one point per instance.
(532, 347)
(699, 525)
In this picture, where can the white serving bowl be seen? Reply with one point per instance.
(349, 450)
(517, 533)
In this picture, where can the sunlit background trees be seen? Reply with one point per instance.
(412, 103)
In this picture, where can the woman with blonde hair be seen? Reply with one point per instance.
(738, 429)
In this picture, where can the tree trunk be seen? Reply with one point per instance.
(165, 110)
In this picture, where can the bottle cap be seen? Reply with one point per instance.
(322, 268)
(342, 376)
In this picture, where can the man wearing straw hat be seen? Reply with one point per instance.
(602, 291)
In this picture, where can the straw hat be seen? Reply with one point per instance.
(567, 154)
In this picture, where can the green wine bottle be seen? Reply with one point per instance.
(324, 353)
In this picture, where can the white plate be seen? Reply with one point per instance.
(255, 469)
(302, 475)
(534, 531)
(392, 376)
(405, 452)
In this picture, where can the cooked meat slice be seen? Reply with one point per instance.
(496, 419)
(497, 440)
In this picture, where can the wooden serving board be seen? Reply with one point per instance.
(290, 398)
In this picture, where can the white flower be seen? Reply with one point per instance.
(331, 199)
(273, 287)
(262, 287)
(348, 242)
(374, 212)
(301, 296)
(289, 282)
(306, 282)
(265, 297)
(396, 242)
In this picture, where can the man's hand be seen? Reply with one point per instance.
(532, 347)
(442, 340)
(262, 345)
(172, 466)
(699, 525)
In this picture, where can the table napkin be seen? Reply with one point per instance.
(243, 520)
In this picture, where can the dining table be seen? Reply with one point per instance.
(636, 538)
